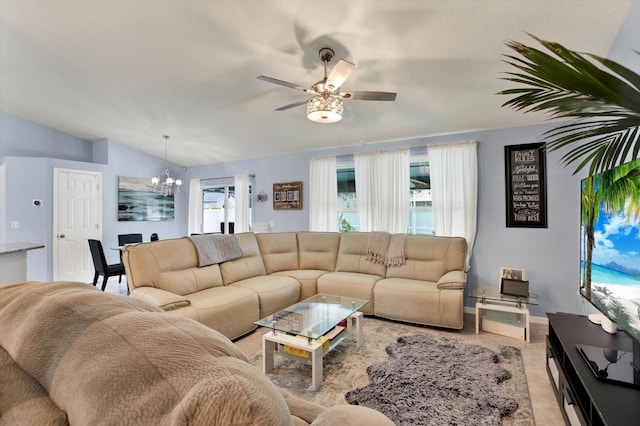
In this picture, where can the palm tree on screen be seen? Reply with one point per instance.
(617, 189)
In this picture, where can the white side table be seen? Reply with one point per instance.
(503, 314)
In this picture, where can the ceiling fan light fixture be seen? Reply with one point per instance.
(324, 108)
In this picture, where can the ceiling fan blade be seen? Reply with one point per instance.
(293, 105)
(369, 96)
(339, 74)
(281, 83)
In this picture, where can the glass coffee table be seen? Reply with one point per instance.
(310, 329)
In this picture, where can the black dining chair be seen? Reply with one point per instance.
(154, 237)
(101, 266)
(128, 239)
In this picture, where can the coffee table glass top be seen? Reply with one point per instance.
(493, 293)
(313, 317)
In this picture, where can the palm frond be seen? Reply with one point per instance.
(600, 96)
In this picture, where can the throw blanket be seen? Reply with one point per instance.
(386, 249)
(214, 249)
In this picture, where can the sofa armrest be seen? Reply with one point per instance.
(161, 298)
(453, 279)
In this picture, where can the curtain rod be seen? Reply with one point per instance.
(223, 178)
(471, 142)
(227, 177)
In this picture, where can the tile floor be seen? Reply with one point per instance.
(546, 411)
(545, 408)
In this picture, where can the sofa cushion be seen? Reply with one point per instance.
(318, 250)
(350, 284)
(419, 302)
(156, 265)
(275, 292)
(279, 251)
(249, 265)
(308, 279)
(430, 257)
(231, 311)
(103, 358)
(352, 255)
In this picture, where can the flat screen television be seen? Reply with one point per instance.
(610, 265)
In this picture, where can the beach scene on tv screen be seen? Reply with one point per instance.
(614, 282)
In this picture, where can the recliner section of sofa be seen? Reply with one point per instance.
(165, 274)
(354, 275)
(278, 269)
(418, 291)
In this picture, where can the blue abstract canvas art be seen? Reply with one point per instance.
(137, 201)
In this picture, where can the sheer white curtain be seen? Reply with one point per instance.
(382, 185)
(454, 188)
(242, 203)
(323, 194)
(195, 207)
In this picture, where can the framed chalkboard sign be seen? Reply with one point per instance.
(526, 190)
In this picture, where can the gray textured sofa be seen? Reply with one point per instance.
(278, 269)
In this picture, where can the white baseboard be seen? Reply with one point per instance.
(533, 319)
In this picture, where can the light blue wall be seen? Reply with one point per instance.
(126, 161)
(31, 177)
(24, 138)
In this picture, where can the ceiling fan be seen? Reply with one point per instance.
(325, 105)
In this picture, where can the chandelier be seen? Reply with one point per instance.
(324, 108)
(164, 183)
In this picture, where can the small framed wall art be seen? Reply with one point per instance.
(287, 196)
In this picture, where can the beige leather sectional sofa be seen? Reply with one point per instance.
(277, 270)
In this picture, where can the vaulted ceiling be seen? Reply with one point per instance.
(132, 71)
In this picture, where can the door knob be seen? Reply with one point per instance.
(61, 235)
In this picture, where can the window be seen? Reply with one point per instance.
(347, 209)
(420, 210)
(218, 208)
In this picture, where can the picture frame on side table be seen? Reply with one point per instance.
(513, 273)
(510, 273)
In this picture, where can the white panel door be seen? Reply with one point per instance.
(77, 215)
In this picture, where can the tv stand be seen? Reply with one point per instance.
(583, 398)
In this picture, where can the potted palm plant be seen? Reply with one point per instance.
(600, 97)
